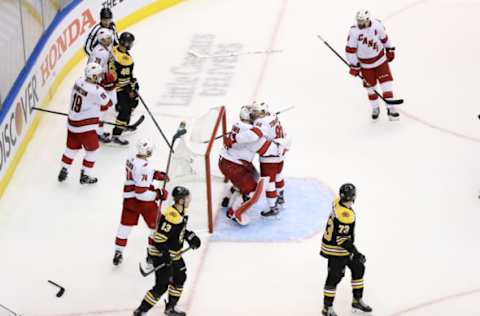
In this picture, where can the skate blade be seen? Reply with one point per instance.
(359, 311)
(393, 119)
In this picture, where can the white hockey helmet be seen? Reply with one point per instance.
(105, 36)
(93, 71)
(259, 107)
(246, 113)
(145, 147)
(363, 17)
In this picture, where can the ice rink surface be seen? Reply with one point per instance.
(417, 179)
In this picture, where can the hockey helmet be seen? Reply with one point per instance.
(347, 192)
(145, 147)
(246, 114)
(363, 18)
(259, 107)
(126, 39)
(93, 71)
(179, 193)
(106, 14)
(105, 34)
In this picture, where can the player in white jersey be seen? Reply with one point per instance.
(241, 146)
(140, 196)
(102, 55)
(88, 99)
(271, 165)
(369, 50)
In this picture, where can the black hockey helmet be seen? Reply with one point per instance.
(347, 192)
(126, 39)
(106, 13)
(179, 193)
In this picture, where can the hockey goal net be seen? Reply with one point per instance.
(194, 165)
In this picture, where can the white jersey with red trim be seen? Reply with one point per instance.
(86, 103)
(272, 129)
(139, 180)
(248, 140)
(101, 56)
(366, 46)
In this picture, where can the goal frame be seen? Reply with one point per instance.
(221, 121)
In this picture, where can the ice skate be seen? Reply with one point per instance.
(138, 312)
(63, 174)
(393, 115)
(117, 258)
(375, 113)
(104, 138)
(328, 311)
(273, 211)
(360, 306)
(119, 141)
(171, 311)
(86, 179)
(281, 199)
(239, 219)
(225, 202)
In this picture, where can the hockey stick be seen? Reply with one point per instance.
(276, 113)
(9, 310)
(180, 132)
(62, 289)
(199, 55)
(161, 266)
(155, 122)
(128, 127)
(391, 102)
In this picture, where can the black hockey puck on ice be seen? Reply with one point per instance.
(61, 288)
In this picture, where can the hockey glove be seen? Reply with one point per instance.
(390, 54)
(355, 70)
(162, 194)
(358, 256)
(193, 240)
(229, 141)
(160, 176)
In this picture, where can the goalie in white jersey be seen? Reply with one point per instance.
(140, 196)
(369, 51)
(102, 55)
(271, 164)
(87, 101)
(241, 146)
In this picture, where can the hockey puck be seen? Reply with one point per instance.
(479, 116)
(61, 288)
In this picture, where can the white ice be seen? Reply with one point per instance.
(418, 206)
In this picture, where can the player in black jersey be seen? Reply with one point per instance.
(338, 247)
(126, 84)
(168, 243)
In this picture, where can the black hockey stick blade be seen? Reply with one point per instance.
(136, 124)
(62, 289)
(180, 131)
(393, 101)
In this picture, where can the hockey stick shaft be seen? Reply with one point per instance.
(9, 310)
(399, 101)
(180, 132)
(161, 266)
(155, 122)
(140, 120)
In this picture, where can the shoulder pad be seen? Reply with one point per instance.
(343, 214)
(173, 216)
(121, 58)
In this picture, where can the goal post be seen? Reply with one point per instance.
(221, 120)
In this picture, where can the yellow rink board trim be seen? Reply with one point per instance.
(127, 21)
